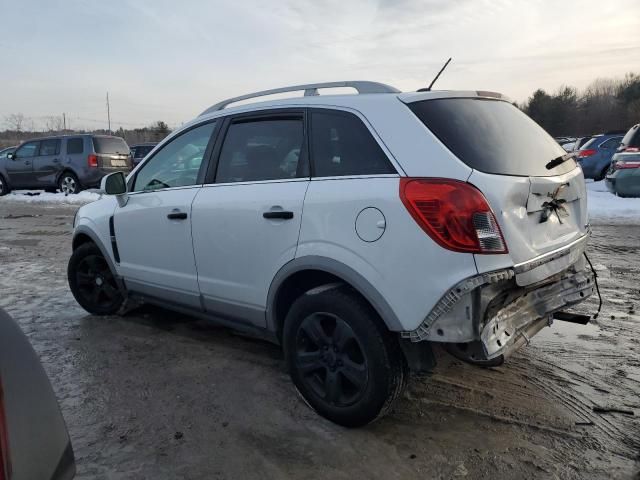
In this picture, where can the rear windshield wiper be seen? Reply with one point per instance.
(559, 160)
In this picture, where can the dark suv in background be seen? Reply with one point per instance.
(141, 150)
(67, 163)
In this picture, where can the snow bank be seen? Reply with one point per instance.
(605, 207)
(39, 197)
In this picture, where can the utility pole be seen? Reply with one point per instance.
(64, 121)
(108, 113)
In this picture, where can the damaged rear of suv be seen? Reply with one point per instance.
(353, 230)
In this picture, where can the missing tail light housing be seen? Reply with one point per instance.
(92, 161)
(5, 464)
(455, 214)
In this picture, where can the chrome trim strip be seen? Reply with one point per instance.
(551, 256)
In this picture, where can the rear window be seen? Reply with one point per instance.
(492, 136)
(632, 138)
(110, 145)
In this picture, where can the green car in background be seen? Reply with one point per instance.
(623, 177)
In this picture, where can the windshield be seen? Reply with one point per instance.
(492, 136)
(110, 145)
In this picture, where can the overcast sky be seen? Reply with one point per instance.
(169, 60)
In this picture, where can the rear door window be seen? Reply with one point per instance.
(492, 136)
(611, 143)
(342, 145)
(110, 145)
(75, 146)
(262, 149)
(50, 147)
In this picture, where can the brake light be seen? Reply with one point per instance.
(455, 214)
(586, 153)
(92, 160)
(625, 165)
(5, 464)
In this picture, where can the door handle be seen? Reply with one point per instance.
(282, 214)
(177, 216)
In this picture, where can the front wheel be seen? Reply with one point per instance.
(342, 360)
(92, 282)
(68, 183)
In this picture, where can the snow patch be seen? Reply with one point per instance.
(605, 207)
(34, 196)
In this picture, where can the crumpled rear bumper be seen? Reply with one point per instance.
(518, 320)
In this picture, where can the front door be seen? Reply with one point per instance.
(246, 223)
(153, 229)
(47, 164)
(20, 167)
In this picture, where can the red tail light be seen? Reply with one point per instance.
(92, 160)
(5, 464)
(586, 153)
(625, 165)
(454, 214)
(631, 149)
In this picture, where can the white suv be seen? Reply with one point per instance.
(354, 230)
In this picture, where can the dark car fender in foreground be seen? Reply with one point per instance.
(34, 443)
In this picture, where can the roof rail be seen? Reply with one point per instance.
(310, 89)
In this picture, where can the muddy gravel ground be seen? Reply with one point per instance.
(156, 395)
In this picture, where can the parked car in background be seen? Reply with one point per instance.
(568, 146)
(141, 150)
(623, 178)
(354, 230)
(631, 140)
(580, 141)
(67, 163)
(595, 155)
(34, 443)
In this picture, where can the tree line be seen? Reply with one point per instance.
(606, 104)
(20, 130)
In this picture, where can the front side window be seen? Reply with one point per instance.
(342, 145)
(50, 147)
(176, 164)
(28, 150)
(265, 149)
(75, 146)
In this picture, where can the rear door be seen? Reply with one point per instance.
(47, 164)
(20, 168)
(540, 207)
(246, 220)
(153, 230)
(112, 153)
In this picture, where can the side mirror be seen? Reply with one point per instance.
(114, 184)
(11, 156)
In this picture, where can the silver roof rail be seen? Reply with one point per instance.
(310, 89)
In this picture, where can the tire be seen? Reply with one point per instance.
(4, 186)
(68, 183)
(92, 282)
(342, 359)
(602, 174)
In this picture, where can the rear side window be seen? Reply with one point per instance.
(342, 145)
(50, 147)
(74, 146)
(492, 136)
(632, 137)
(110, 145)
(611, 143)
(265, 149)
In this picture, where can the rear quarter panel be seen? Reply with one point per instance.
(404, 265)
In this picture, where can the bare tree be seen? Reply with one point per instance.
(53, 123)
(15, 121)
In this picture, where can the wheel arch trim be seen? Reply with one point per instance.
(338, 269)
(84, 230)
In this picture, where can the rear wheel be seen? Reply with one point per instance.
(602, 174)
(92, 282)
(68, 183)
(4, 188)
(342, 360)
